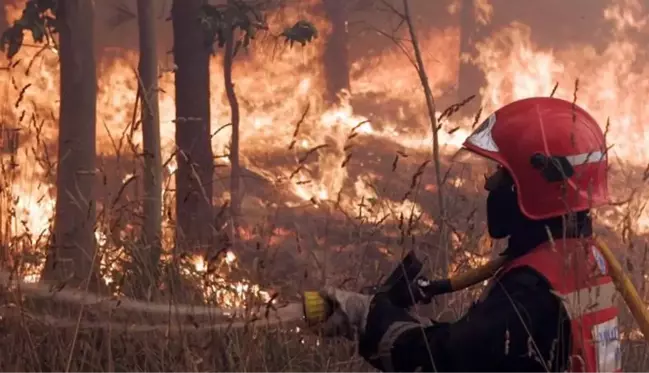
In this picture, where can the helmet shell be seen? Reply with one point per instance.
(554, 150)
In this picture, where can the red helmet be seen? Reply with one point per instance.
(554, 151)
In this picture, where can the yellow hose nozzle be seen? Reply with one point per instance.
(316, 308)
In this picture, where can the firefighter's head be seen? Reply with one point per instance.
(551, 162)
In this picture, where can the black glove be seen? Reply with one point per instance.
(383, 321)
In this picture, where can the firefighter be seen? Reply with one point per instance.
(550, 307)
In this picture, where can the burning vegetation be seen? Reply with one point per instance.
(294, 148)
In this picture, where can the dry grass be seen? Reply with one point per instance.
(31, 344)
(362, 247)
(287, 249)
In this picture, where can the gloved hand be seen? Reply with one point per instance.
(350, 313)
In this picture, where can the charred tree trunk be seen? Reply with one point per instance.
(470, 78)
(195, 161)
(336, 54)
(235, 174)
(73, 253)
(147, 256)
(3, 18)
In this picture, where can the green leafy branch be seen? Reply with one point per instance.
(39, 18)
(218, 21)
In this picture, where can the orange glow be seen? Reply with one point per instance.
(275, 83)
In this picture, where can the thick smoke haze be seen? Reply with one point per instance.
(554, 23)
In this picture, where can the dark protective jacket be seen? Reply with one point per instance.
(518, 325)
(579, 274)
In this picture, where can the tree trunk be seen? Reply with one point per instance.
(73, 253)
(336, 53)
(470, 78)
(195, 163)
(235, 174)
(3, 19)
(147, 256)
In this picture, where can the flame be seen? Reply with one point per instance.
(483, 11)
(626, 14)
(229, 294)
(276, 83)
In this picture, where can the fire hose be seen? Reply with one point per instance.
(398, 287)
(314, 308)
(279, 315)
(404, 287)
(626, 289)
